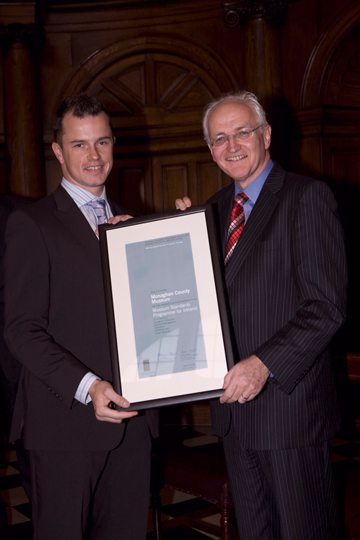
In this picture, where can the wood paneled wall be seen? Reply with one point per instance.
(156, 64)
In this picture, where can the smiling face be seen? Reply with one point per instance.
(85, 152)
(242, 160)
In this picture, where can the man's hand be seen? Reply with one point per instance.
(116, 219)
(102, 395)
(183, 204)
(245, 380)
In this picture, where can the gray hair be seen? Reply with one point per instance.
(244, 97)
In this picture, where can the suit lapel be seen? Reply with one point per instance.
(224, 205)
(259, 218)
(73, 219)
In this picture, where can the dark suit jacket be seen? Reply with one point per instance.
(286, 285)
(9, 367)
(55, 324)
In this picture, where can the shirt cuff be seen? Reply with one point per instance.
(82, 392)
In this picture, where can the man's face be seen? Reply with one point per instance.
(86, 151)
(242, 160)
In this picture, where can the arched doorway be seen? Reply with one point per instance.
(155, 88)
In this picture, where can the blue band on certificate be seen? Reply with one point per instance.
(165, 307)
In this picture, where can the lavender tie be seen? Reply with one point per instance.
(98, 205)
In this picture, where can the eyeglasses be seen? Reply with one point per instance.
(238, 136)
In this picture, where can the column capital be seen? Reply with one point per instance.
(241, 11)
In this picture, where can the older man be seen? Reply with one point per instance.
(286, 280)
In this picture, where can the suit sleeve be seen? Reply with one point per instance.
(320, 276)
(27, 309)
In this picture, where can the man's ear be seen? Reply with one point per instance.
(56, 148)
(267, 137)
(211, 151)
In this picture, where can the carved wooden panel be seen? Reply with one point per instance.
(192, 174)
(342, 159)
(150, 82)
(344, 76)
(145, 185)
(129, 183)
(319, 74)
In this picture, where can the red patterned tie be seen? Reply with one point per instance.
(236, 224)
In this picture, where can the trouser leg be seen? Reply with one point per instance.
(282, 494)
(122, 496)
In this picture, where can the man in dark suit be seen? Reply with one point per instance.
(9, 367)
(285, 274)
(90, 464)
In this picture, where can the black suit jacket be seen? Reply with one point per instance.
(286, 285)
(55, 324)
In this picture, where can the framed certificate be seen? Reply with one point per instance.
(167, 317)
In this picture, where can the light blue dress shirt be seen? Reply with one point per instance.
(253, 190)
(81, 197)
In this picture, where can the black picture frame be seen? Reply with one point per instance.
(167, 315)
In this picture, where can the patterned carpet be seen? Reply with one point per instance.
(179, 505)
(17, 506)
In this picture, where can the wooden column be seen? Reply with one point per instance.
(23, 124)
(261, 21)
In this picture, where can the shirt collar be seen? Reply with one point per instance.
(253, 189)
(79, 195)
